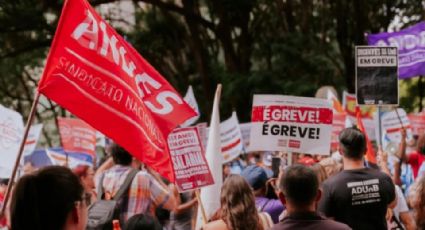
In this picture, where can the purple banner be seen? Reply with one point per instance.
(411, 48)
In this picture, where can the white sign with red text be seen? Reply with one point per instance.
(187, 154)
(11, 130)
(231, 138)
(391, 127)
(293, 124)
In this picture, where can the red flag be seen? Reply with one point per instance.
(95, 74)
(370, 155)
(77, 136)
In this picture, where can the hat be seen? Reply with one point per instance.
(255, 176)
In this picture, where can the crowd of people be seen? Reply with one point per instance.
(341, 191)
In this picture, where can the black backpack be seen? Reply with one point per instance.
(102, 212)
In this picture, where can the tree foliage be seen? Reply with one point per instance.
(250, 46)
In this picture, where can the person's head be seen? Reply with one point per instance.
(299, 188)
(120, 155)
(86, 175)
(238, 209)
(50, 199)
(420, 147)
(352, 144)
(320, 172)
(3, 185)
(142, 221)
(256, 178)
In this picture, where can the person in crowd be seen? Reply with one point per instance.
(417, 201)
(146, 193)
(181, 217)
(3, 187)
(257, 179)
(142, 221)
(400, 216)
(357, 196)
(238, 209)
(86, 175)
(320, 172)
(50, 199)
(416, 158)
(299, 191)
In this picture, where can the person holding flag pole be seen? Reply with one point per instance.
(96, 75)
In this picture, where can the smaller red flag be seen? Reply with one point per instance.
(370, 155)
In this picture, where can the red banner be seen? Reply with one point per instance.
(77, 136)
(95, 74)
(190, 167)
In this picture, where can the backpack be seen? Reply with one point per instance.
(102, 212)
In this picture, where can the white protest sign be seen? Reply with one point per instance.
(246, 132)
(231, 138)
(191, 101)
(11, 130)
(187, 154)
(391, 127)
(32, 139)
(294, 124)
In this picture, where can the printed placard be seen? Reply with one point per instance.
(376, 75)
(294, 124)
(187, 155)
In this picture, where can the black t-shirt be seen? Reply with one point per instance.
(358, 198)
(308, 221)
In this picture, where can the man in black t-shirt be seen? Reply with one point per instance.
(299, 190)
(357, 196)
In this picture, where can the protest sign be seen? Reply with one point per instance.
(338, 124)
(246, 132)
(411, 48)
(99, 77)
(417, 122)
(231, 138)
(391, 127)
(187, 154)
(11, 129)
(32, 139)
(77, 136)
(291, 124)
(191, 101)
(376, 75)
(71, 160)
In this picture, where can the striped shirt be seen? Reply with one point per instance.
(145, 193)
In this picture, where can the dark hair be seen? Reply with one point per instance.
(142, 221)
(238, 209)
(4, 181)
(353, 143)
(299, 184)
(120, 155)
(42, 201)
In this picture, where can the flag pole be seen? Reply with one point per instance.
(398, 116)
(204, 214)
(21, 150)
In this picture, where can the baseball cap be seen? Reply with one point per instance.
(255, 176)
